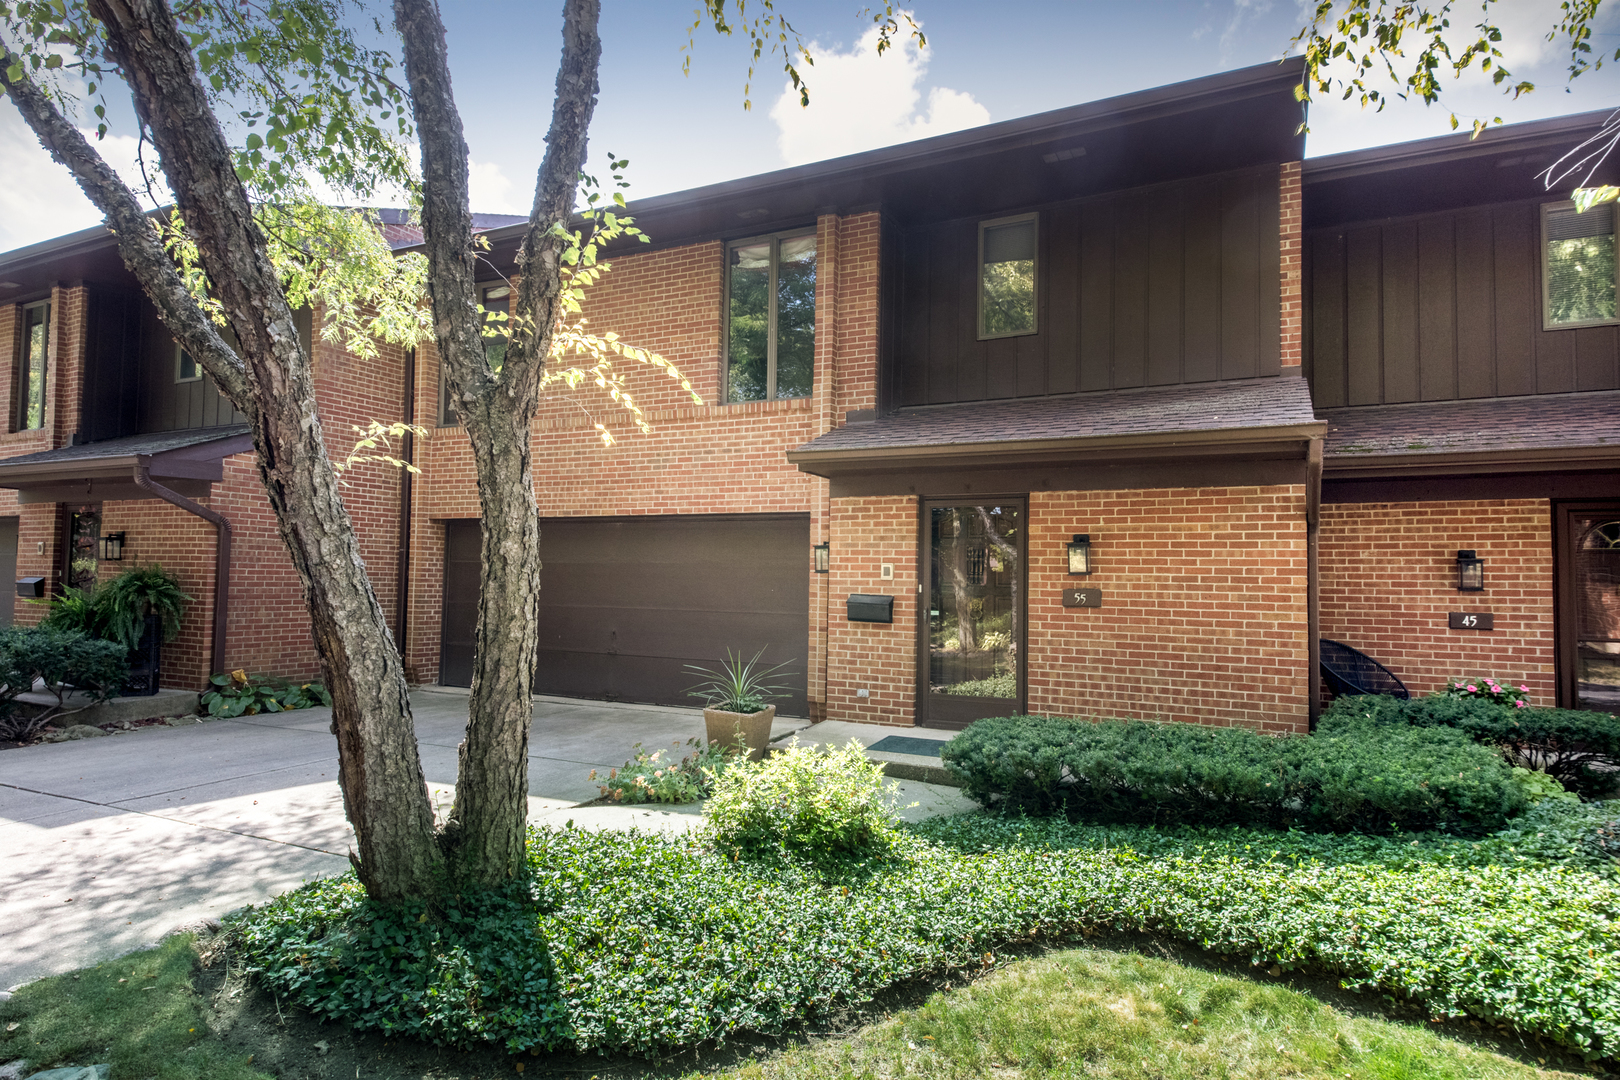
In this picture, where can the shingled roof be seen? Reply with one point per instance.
(1559, 428)
(1163, 413)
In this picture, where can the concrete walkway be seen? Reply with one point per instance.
(109, 843)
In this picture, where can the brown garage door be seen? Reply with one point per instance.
(625, 603)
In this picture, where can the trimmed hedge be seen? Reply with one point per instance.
(1577, 748)
(1406, 779)
(65, 660)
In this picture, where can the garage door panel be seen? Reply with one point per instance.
(626, 603)
(663, 632)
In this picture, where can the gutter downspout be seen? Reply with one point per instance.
(222, 556)
(1313, 587)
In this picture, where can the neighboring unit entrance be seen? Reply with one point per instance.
(972, 648)
(626, 603)
(1589, 605)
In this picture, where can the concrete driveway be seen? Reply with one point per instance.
(107, 844)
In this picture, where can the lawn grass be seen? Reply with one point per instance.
(140, 1013)
(1125, 1016)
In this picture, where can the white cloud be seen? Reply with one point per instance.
(39, 199)
(490, 192)
(861, 101)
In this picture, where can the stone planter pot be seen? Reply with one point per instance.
(756, 729)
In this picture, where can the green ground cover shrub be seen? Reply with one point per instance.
(1407, 779)
(235, 694)
(804, 801)
(643, 942)
(1578, 748)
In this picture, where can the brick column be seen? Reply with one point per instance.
(1293, 304)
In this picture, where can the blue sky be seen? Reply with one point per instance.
(983, 63)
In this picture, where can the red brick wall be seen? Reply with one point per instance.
(699, 459)
(880, 658)
(1293, 305)
(1203, 615)
(268, 632)
(1389, 578)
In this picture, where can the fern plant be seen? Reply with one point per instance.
(125, 601)
(74, 610)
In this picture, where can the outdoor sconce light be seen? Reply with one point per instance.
(1080, 555)
(823, 557)
(1470, 572)
(112, 547)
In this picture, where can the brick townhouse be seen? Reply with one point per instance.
(1114, 410)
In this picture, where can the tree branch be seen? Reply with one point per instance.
(139, 242)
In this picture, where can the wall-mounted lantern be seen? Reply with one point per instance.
(112, 547)
(1080, 555)
(823, 557)
(1470, 572)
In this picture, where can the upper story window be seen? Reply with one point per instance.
(186, 368)
(1578, 271)
(1007, 276)
(36, 348)
(770, 317)
(496, 298)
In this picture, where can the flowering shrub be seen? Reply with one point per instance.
(653, 778)
(813, 803)
(1488, 689)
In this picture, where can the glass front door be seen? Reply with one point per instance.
(1591, 601)
(974, 625)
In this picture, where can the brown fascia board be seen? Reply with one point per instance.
(1070, 122)
(1248, 443)
(200, 462)
(1479, 463)
(1563, 132)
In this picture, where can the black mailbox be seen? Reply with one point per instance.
(31, 586)
(866, 607)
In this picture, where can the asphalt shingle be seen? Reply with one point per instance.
(1283, 401)
(1487, 425)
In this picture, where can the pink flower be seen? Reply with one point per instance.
(1472, 688)
(1519, 704)
(1526, 689)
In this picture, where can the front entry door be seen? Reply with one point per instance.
(972, 647)
(1589, 606)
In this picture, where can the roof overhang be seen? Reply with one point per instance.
(1477, 463)
(105, 472)
(1279, 443)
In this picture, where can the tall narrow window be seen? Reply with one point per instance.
(1007, 276)
(1579, 268)
(771, 318)
(31, 374)
(186, 368)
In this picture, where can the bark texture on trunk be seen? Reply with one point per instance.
(384, 791)
(486, 829)
(485, 837)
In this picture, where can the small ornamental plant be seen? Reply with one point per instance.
(1488, 689)
(659, 777)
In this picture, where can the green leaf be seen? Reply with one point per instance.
(1586, 198)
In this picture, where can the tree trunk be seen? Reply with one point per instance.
(384, 792)
(485, 836)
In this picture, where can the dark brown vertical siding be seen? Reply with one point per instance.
(1400, 329)
(1476, 289)
(1201, 284)
(166, 405)
(1437, 310)
(1596, 359)
(1130, 291)
(1325, 361)
(1166, 240)
(1439, 307)
(1364, 360)
(1517, 312)
(1062, 314)
(1097, 297)
(1178, 283)
(1240, 270)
